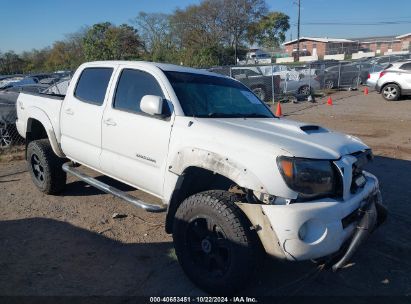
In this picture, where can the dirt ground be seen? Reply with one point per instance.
(71, 245)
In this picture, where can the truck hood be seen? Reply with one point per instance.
(281, 135)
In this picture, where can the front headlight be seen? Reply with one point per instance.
(309, 177)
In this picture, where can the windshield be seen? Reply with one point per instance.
(212, 96)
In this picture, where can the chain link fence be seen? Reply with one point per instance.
(296, 82)
(9, 136)
(299, 82)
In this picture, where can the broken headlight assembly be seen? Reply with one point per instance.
(310, 178)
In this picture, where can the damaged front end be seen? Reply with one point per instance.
(328, 228)
(371, 215)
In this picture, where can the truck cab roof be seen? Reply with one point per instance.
(162, 66)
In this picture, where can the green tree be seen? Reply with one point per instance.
(11, 63)
(155, 30)
(270, 30)
(104, 41)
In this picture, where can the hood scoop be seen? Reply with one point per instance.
(309, 129)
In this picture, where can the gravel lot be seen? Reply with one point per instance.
(71, 245)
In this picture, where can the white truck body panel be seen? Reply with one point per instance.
(151, 153)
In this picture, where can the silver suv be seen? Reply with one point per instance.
(395, 80)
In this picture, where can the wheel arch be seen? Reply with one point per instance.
(39, 126)
(215, 172)
(390, 82)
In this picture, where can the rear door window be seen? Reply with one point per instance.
(92, 85)
(406, 66)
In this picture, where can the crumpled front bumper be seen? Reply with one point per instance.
(370, 216)
(321, 228)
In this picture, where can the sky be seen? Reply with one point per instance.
(28, 24)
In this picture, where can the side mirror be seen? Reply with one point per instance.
(151, 104)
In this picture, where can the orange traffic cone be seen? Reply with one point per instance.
(329, 101)
(366, 91)
(278, 113)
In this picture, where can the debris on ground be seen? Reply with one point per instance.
(118, 216)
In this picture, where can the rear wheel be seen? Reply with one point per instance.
(45, 167)
(214, 243)
(304, 90)
(329, 84)
(260, 93)
(391, 92)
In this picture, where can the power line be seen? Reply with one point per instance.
(357, 23)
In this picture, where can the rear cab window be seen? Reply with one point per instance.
(92, 85)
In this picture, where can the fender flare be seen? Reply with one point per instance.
(194, 157)
(41, 116)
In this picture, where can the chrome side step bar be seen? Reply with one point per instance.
(69, 168)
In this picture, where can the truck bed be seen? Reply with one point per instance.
(40, 104)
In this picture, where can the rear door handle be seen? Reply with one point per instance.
(69, 111)
(110, 122)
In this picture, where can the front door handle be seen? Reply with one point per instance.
(109, 122)
(69, 111)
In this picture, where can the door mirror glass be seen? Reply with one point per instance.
(152, 104)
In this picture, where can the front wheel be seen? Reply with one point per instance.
(214, 243)
(391, 92)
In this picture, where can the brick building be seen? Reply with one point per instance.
(380, 45)
(313, 46)
(405, 42)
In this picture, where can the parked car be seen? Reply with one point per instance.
(234, 179)
(395, 81)
(280, 70)
(304, 85)
(374, 74)
(352, 75)
(258, 57)
(59, 88)
(252, 77)
(387, 59)
(5, 81)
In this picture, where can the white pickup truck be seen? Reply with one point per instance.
(234, 179)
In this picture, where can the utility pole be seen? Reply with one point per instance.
(298, 31)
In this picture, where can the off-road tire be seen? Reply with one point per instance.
(243, 248)
(45, 167)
